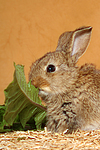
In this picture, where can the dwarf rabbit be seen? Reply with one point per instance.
(71, 93)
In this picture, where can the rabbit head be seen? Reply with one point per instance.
(56, 72)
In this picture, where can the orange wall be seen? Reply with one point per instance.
(30, 28)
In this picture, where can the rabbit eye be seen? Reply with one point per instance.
(51, 68)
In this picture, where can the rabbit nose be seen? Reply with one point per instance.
(37, 82)
(40, 82)
(33, 82)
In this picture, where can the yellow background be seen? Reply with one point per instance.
(30, 28)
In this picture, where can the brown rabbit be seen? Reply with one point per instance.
(72, 93)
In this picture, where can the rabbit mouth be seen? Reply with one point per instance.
(43, 94)
(44, 91)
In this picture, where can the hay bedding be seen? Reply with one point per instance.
(42, 140)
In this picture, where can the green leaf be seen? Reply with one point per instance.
(39, 118)
(2, 111)
(2, 122)
(22, 99)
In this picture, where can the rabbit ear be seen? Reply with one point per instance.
(75, 42)
(81, 38)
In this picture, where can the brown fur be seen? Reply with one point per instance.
(72, 93)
